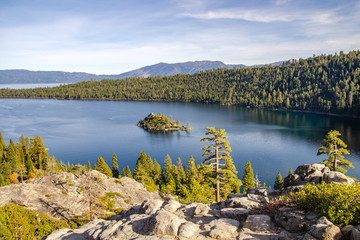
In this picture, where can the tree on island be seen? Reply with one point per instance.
(219, 150)
(159, 122)
(333, 146)
(248, 178)
(102, 167)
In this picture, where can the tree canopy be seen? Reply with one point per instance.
(102, 167)
(334, 147)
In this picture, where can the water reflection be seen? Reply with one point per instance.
(307, 125)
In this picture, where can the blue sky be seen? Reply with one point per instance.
(115, 36)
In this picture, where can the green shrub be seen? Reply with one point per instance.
(19, 223)
(107, 202)
(339, 203)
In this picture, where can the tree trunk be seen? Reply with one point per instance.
(335, 160)
(217, 174)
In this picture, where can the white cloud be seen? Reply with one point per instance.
(240, 14)
(268, 15)
(115, 42)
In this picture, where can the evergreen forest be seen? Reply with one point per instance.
(325, 83)
(28, 158)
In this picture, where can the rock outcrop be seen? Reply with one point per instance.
(156, 219)
(313, 173)
(65, 195)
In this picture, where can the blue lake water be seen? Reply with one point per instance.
(81, 131)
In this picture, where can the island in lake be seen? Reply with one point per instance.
(159, 122)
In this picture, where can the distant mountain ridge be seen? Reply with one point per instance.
(164, 69)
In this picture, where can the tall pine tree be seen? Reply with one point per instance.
(141, 168)
(218, 151)
(170, 174)
(142, 172)
(248, 178)
(115, 166)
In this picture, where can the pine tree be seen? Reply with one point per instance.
(206, 180)
(126, 172)
(38, 153)
(279, 182)
(11, 156)
(180, 179)
(142, 172)
(151, 165)
(2, 146)
(21, 160)
(114, 166)
(192, 171)
(102, 167)
(257, 181)
(5, 171)
(141, 168)
(335, 148)
(218, 151)
(181, 171)
(170, 174)
(290, 171)
(88, 167)
(229, 179)
(248, 178)
(29, 165)
(157, 174)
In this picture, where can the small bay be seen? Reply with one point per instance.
(81, 131)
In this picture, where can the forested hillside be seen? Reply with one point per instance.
(325, 83)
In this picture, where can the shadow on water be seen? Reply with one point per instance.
(166, 134)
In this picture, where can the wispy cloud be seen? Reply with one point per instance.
(123, 35)
(240, 14)
(269, 15)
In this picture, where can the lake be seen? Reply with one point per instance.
(81, 131)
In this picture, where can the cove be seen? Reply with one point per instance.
(81, 131)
